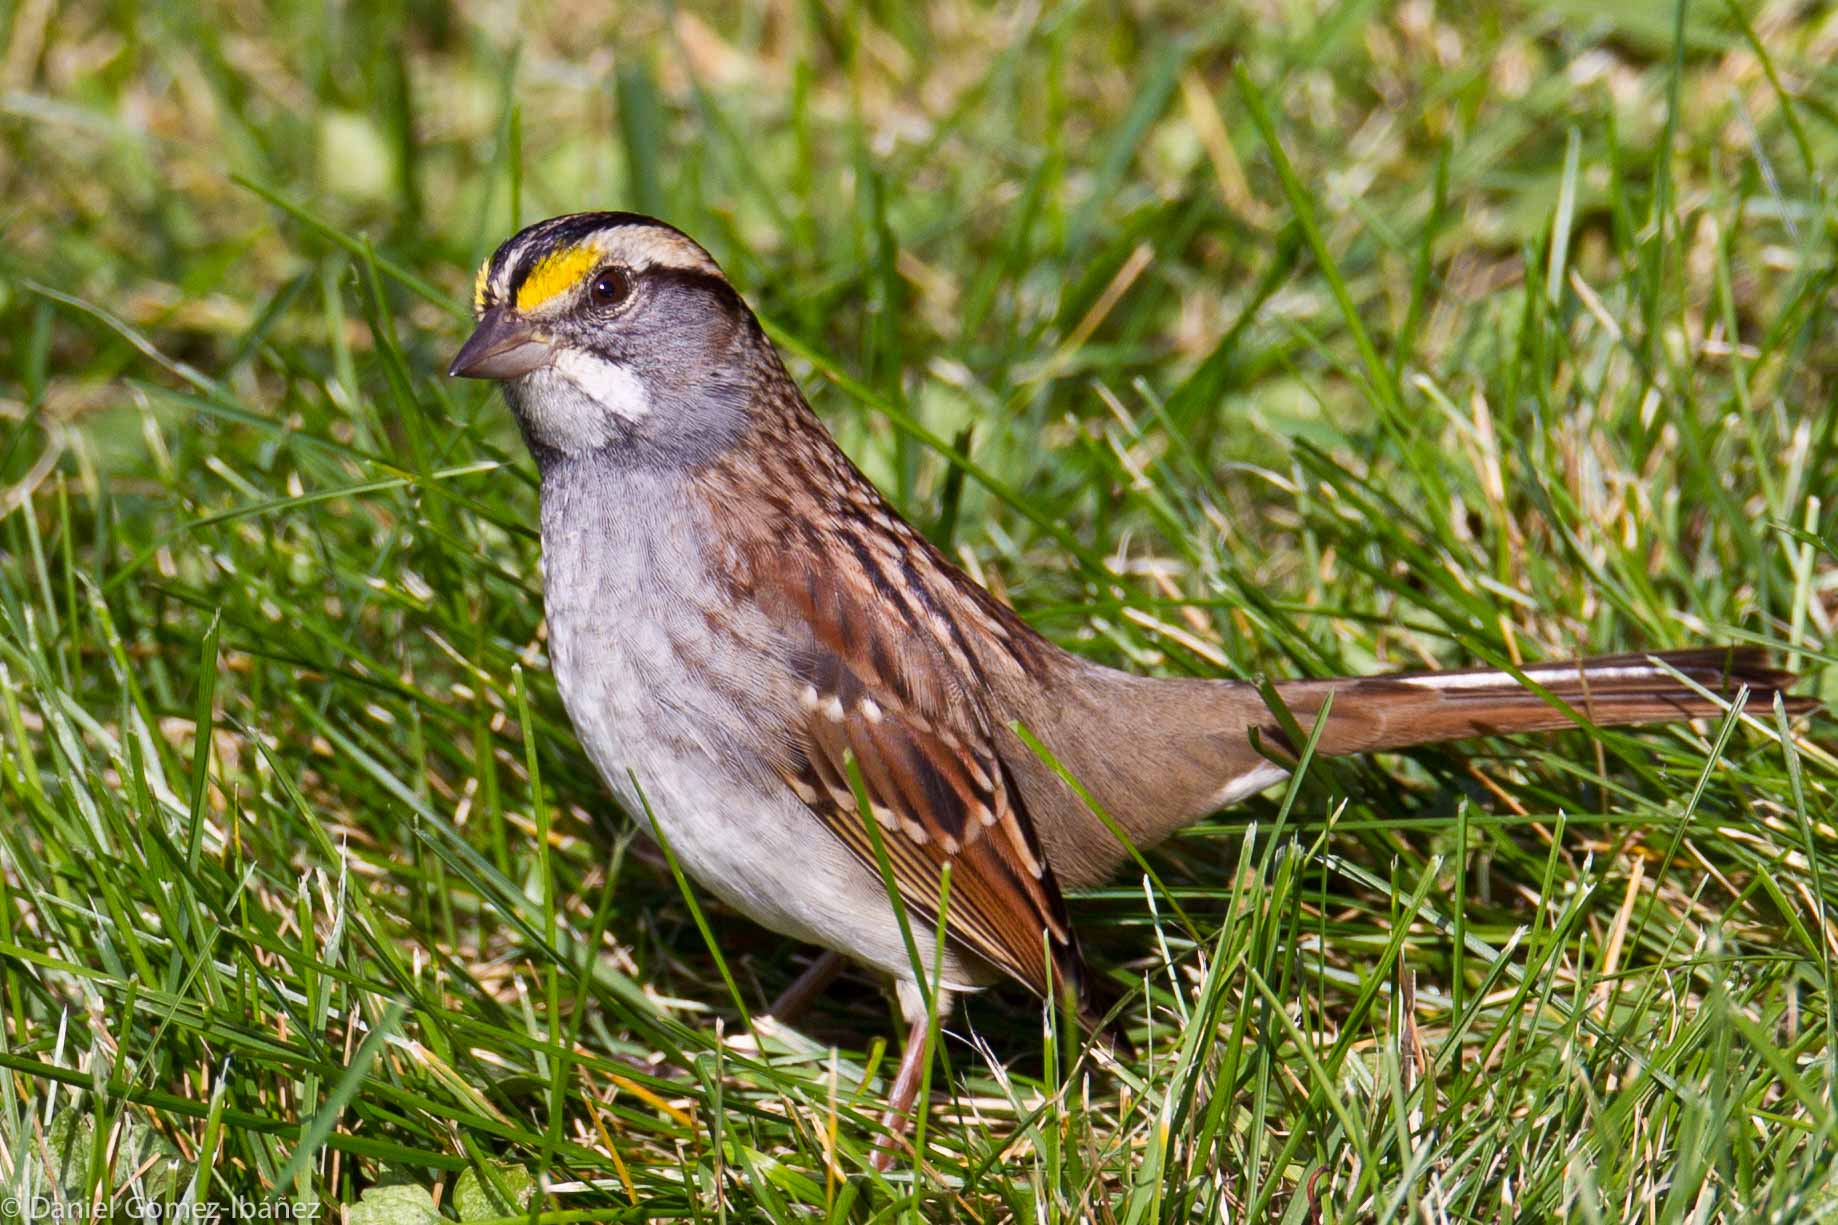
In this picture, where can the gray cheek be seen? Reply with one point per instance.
(669, 385)
(702, 392)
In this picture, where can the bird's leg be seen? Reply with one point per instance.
(898, 1120)
(792, 1001)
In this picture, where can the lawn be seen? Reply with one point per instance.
(1272, 339)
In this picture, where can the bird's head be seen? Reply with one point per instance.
(614, 330)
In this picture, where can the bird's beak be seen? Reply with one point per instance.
(503, 346)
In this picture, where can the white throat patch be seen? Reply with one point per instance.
(613, 386)
(574, 402)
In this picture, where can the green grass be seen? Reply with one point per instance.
(1305, 338)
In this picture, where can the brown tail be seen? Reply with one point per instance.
(1394, 712)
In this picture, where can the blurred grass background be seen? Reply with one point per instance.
(1283, 337)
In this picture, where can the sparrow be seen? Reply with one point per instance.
(747, 637)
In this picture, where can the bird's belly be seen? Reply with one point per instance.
(675, 751)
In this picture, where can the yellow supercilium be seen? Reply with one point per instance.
(556, 273)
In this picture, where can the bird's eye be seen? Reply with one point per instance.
(609, 287)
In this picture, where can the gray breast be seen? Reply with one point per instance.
(651, 660)
(667, 681)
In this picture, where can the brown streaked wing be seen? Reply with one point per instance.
(940, 795)
(890, 679)
(889, 644)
